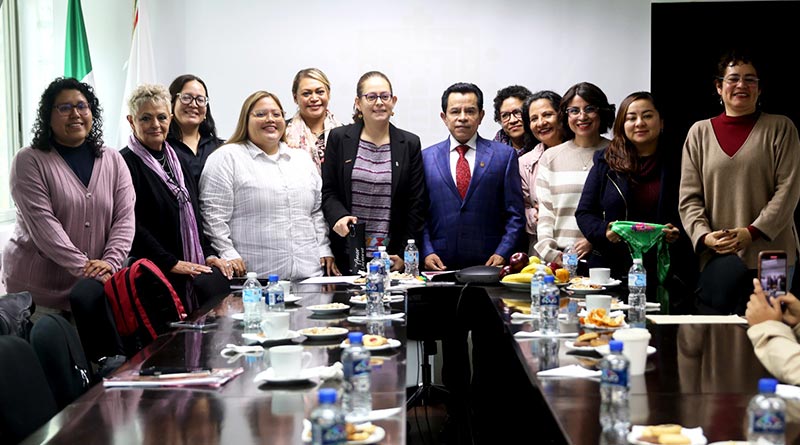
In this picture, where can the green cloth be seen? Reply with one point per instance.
(641, 237)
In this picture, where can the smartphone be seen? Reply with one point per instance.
(206, 322)
(773, 271)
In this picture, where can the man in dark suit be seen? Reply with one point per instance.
(476, 213)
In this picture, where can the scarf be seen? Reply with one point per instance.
(190, 237)
(641, 237)
(299, 135)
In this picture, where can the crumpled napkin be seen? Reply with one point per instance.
(333, 372)
(364, 318)
(573, 371)
(539, 334)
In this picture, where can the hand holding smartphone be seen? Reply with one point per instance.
(773, 272)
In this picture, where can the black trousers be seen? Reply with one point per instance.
(94, 320)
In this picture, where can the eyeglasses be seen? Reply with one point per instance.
(263, 114)
(589, 110)
(372, 97)
(734, 79)
(66, 109)
(187, 99)
(506, 115)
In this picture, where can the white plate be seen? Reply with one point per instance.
(361, 300)
(392, 343)
(261, 338)
(375, 437)
(519, 287)
(694, 434)
(603, 349)
(291, 298)
(269, 376)
(611, 283)
(572, 288)
(322, 309)
(332, 332)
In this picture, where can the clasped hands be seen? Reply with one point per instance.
(728, 241)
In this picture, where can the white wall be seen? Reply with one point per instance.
(239, 46)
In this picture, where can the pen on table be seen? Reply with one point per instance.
(173, 372)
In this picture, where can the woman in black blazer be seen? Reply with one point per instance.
(373, 173)
(169, 228)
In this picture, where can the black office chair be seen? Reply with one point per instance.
(429, 309)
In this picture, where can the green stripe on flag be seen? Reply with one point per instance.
(77, 62)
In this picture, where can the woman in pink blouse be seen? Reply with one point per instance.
(75, 220)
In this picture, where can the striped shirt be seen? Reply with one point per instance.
(372, 192)
(265, 210)
(562, 172)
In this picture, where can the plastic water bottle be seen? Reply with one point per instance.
(537, 283)
(614, 408)
(548, 306)
(275, 297)
(387, 268)
(251, 297)
(766, 415)
(327, 420)
(374, 290)
(411, 258)
(570, 260)
(357, 399)
(637, 297)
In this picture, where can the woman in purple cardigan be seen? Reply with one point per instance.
(75, 219)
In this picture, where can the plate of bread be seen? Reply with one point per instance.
(357, 433)
(666, 434)
(375, 342)
(589, 341)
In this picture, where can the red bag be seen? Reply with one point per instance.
(143, 301)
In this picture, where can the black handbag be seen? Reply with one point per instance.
(15, 314)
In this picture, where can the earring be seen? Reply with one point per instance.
(720, 101)
(360, 116)
(392, 113)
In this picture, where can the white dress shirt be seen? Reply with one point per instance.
(265, 210)
(469, 155)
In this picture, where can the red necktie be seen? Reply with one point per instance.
(463, 173)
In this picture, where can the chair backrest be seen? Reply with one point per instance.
(58, 346)
(431, 311)
(15, 314)
(27, 402)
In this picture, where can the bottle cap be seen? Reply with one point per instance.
(374, 268)
(273, 277)
(252, 275)
(615, 346)
(376, 254)
(411, 241)
(549, 279)
(327, 395)
(356, 338)
(767, 385)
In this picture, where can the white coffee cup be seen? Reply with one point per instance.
(275, 325)
(597, 301)
(635, 342)
(599, 275)
(288, 360)
(287, 287)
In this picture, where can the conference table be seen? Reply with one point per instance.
(701, 375)
(241, 411)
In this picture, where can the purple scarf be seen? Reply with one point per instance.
(190, 236)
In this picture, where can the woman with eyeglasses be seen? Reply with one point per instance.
(308, 129)
(261, 200)
(584, 114)
(75, 215)
(373, 174)
(540, 122)
(508, 113)
(739, 185)
(634, 179)
(169, 229)
(192, 131)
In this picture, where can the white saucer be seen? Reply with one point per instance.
(291, 298)
(391, 343)
(269, 376)
(324, 309)
(331, 332)
(611, 283)
(603, 349)
(261, 338)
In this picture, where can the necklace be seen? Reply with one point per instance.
(584, 161)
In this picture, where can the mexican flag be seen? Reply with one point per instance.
(77, 62)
